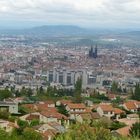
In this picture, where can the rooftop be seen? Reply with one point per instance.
(76, 106)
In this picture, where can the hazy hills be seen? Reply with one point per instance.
(67, 35)
(69, 30)
(58, 30)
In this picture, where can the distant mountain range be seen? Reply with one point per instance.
(133, 33)
(58, 30)
(67, 30)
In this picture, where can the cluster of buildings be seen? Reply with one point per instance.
(68, 77)
(35, 67)
(40, 66)
(52, 122)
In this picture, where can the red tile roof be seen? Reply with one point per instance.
(32, 117)
(130, 105)
(106, 107)
(123, 131)
(30, 106)
(57, 115)
(76, 106)
(118, 111)
(65, 102)
(44, 107)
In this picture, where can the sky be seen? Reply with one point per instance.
(85, 13)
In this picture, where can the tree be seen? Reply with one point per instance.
(23, 91)
(84, 132)
(22, 125)
(102, 134)
(116, 125)
(5, 94)
(62, 110)
(17, 93)
(78, 90)
(50, 91)
(99, 96)
(29, 92)
(13, 89)
(40, 91)
(117, 101)
(102, 122)
(135, 130)
(3, 135)
(13, 136)
(114, 87)
(4, 115)
(34, 122)
(136, 94)
(30, 134)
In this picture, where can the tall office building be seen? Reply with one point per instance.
(91, 79)
(68, 77)
(50, 76)
(61, 77)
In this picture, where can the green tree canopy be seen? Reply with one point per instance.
(22, 125)
(78, 91)
(30, 134)
(34, 122)
(3, 135)
(5, 93)
(114, 87)
(136, 94)
(135, 130)
(84, 132)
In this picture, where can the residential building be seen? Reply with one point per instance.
(10, 107)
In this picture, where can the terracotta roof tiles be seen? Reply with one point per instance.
(106, 107)
(54, 115)
(130, 105)
(118, 111)
(76, 106)
(123, 131)
(32, 117)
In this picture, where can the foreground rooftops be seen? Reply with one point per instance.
(76, 106)
(105, 107)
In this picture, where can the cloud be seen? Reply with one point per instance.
(80, 12)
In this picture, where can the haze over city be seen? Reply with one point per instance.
(89, 13)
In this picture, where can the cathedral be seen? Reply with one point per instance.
(93, 54)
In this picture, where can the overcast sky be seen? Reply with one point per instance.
(87, 13)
